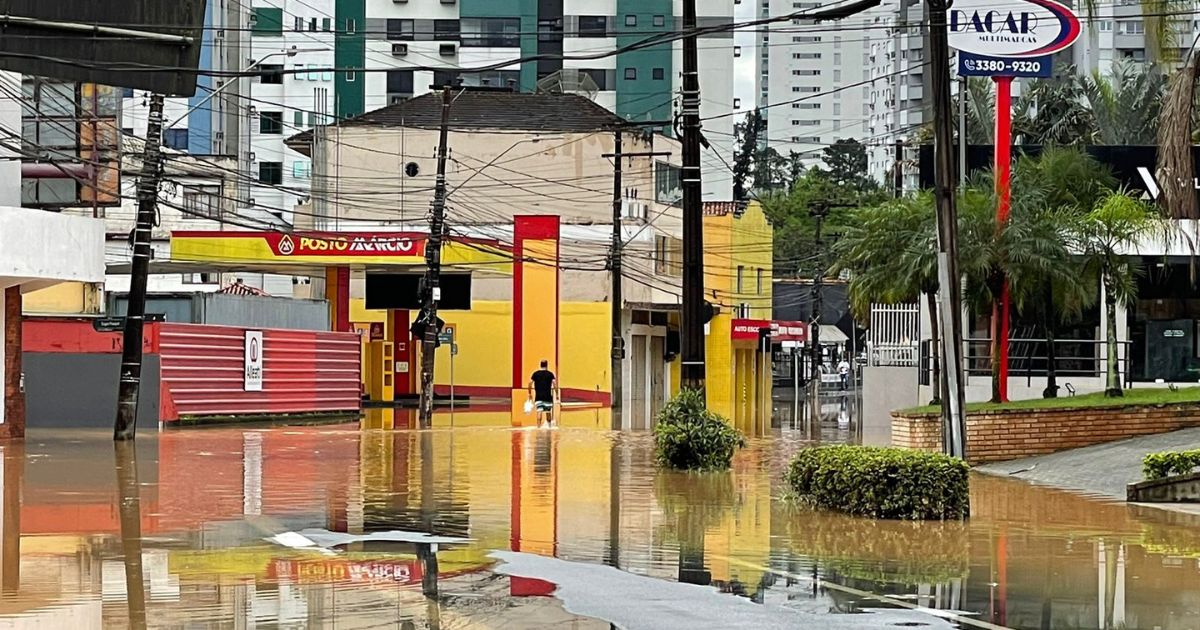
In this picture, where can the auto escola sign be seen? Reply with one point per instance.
(1010, 37)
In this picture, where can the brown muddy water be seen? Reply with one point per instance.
(566, 528)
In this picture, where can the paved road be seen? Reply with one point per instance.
(1103, 469)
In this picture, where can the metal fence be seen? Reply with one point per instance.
(894, 334)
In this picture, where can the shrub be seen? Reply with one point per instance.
(1160, 465)
(688, 436)
(882, 482)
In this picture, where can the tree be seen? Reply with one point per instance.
(846, 163)
(1125, 103)
(1116, 225)
(1053, 111)
(746, 134)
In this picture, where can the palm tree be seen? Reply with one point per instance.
(1126, 102)
(1117, 225)
(1053, 111)
(1069, 183)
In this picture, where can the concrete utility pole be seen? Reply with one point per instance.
(125, 425)
(949, 293)
(433, 269)
(692, 326)
(614, 264)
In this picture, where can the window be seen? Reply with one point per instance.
(837, 41)
(299, 74)
(837, 109)
(603, 78)
(491, 78)
(301, 169)
(807, 56)
(444, 30)
(593, 26)
(805, 123)
(806, 39)
(630, 20)
(350, 76)
(837, 59)
(837, 75)
(758, 272)
(202, 201)
(630, 74)
(270, 173)
(550, 30)
(660, 20)
(297, 118)
(737, 51)
(658, 74)
(1105, 26)
(737, 103)
(176, 139)
(312, 24)
(400, 30)
(270, 122)
(668, 182)
(740, 272)
(806, 106)
(807, 139)
(350, 25)
(126, 92)
(299, 23)
(806, 89)
(667, 259)
(497, 32)
(1130, 27)
(399, 84)
(326, 24)
(271, 74)
(267, 21)
(806, 73)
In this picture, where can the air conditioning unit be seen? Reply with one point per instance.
(448, 50)
(399, 50)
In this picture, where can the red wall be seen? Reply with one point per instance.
(304, 371)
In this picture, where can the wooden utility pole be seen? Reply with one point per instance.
(950, 294)
(125, 425)
(614, 265)
(818, 211)
(692, 326)
(433, 268)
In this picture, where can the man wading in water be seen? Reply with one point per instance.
(543, 386)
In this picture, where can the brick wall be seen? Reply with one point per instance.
(995, 436)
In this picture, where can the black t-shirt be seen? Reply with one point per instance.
(542, 385)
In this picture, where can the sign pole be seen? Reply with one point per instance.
(1003, 166)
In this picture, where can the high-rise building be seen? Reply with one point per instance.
(385, 50)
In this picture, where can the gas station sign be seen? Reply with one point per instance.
(366, 244)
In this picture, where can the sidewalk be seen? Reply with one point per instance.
(1102, 469)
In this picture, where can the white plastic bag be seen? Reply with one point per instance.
(528, 407)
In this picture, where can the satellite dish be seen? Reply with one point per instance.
(568, 81)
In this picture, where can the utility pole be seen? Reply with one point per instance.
(962, 131)
(125, 425)
(614, 266)
(950, 294)
(433, 269)
(818, 211)
(692, 328)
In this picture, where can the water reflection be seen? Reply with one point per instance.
(191, 511)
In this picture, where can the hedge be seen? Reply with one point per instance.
(687, 436)
(1161, 465)
(881, 482)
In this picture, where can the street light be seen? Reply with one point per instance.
(290, 52)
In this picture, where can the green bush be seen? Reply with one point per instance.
(688, 436)
(1160, 465)
(882, 482)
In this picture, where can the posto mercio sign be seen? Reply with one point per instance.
(1013, 38)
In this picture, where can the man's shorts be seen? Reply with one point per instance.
(543, 405)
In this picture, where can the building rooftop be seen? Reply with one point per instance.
(476, 109)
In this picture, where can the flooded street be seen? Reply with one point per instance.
(235, 528)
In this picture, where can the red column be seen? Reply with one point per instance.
(14, 398)
(337, 291)
(1003, 170)
(403, 351)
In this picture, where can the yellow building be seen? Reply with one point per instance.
(737, 280)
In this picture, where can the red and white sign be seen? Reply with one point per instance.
(747, 328)
(789, 331)
(353, 571)
(347, 244)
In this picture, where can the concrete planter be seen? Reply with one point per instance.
(1173, 489)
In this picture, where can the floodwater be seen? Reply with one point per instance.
(312, 527)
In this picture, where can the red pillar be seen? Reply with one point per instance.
(1003, 170)
(403, 352)
(14, 398)
(337, 291)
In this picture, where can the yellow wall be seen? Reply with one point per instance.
(73, 298)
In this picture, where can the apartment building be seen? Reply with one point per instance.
(814, 77)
